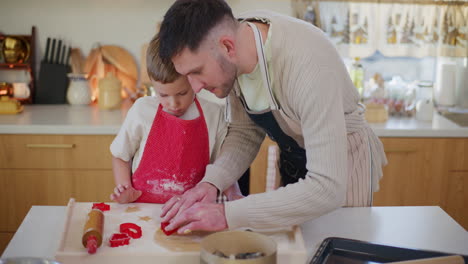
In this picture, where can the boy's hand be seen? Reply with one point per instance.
(199, 217)
(203, 192)
(125, 194)
(233, 193)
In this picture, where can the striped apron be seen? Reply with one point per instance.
(293, 160)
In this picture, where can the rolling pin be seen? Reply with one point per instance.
(437, 260)
(92, 232)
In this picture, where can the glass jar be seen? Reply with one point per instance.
(357, 75)
(425, 90)
(109, 92)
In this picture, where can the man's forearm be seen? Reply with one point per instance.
(294, 204)
(239, 149)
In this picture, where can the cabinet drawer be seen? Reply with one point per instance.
(458, 155)
(55, 151)
(28, 187)
(5, 238)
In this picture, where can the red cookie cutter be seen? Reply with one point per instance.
(119, 239)
(101, 206)
(131, 229)
(168, 233)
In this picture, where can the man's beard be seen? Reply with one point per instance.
(230, 74)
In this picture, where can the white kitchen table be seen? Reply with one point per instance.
(419, 227)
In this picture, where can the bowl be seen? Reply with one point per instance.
(226, 247)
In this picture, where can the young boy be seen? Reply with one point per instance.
(166, 142)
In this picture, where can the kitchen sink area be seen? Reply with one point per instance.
(460, 119)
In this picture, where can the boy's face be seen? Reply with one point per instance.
(175, 97)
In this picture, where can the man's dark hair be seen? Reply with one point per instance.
(187, 22)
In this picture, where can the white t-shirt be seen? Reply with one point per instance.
(191, 113)
(131, 140)
(251, 84)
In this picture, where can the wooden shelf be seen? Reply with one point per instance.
(29, 65)
(14, 66)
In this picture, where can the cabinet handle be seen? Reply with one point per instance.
(54, 146)
(458, 171)
(400, 150)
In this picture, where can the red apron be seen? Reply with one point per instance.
(175, 157)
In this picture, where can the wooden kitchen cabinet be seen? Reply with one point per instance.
(48, 170)
(455, 196)
(420, 172)
(55, 152)
(426, 171)
(258, 168)
(407, 178)
(5, 238)
(457, 155)
(26, 188)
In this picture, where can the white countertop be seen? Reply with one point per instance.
(411, 127)
(421, 227)
(64, 119)
(90, 120)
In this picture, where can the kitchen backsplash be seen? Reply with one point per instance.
(85, 23)
(406, 67)
(130, 24)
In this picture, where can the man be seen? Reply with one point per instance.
(283, 77)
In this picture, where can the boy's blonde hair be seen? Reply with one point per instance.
(157, 70)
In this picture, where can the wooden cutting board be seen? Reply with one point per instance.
(153, 245)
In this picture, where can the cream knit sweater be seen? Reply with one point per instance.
(318, 108)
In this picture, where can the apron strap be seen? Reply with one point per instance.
(263, 65)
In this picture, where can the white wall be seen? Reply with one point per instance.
(131, 23)
(84, 23)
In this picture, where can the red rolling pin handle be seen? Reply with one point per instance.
(91, 244)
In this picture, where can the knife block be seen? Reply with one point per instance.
(53, 83)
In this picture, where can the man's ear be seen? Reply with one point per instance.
(227, 45)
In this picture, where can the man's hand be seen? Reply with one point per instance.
(200, 217)
(203, 192)
(125, 194)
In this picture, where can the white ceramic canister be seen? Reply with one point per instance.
(21, 90)
(78, 92)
